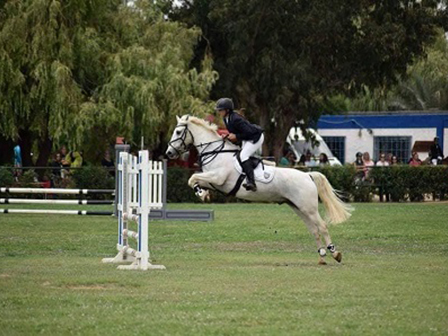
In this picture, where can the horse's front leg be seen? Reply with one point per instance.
(203, 180)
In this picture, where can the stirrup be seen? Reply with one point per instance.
(250, 186)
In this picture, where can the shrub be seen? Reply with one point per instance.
(6, 177)
(91, 177)
(403, 183)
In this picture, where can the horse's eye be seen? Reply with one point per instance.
(178, 132)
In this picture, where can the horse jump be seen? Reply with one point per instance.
(47, 191)
(140, 184)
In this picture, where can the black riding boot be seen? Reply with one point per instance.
(249, 171)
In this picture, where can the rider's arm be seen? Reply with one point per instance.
(243, 128)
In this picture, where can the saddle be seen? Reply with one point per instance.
(263, 171)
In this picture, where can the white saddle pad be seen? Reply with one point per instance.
(263, 173)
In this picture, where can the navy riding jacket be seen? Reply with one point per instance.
(242, 129)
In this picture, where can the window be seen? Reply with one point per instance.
(337, 146)
(397, 145)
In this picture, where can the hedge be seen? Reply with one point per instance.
(402, 183)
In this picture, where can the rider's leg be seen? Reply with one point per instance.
(248, 149)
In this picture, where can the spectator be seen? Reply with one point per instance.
(415, 161)
(436, 153)
(389, 157)
(17, 162)
(284, 162)
(74, 159)
(382, 162)
(367, 164)
(323, 160)
(302, 160)
(394, 161)
(309, 160)
(56, 164)
(359, 165)
(108, 163)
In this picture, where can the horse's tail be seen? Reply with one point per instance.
(337, 210)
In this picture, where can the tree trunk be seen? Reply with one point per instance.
(45, 147)
(6, 151)
(26, 143)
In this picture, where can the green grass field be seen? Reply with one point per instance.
(253, 271)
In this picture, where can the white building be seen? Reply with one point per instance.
(382, 132)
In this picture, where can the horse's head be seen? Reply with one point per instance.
(181, 139)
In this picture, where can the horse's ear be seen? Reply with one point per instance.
(188, 117)
(177, 118)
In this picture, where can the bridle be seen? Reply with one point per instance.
(182, 138)
(205, 157)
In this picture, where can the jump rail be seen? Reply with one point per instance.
(57, 212)
(56, 191)
(52, 201)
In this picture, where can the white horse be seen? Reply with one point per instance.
(298, 189)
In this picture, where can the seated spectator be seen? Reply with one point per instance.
(302, 160)
(382, 162)
(323, 160)
(394, 161)
(415, 161)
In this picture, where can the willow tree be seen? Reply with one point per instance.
(81, 72)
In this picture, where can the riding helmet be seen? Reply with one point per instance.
(224, 104)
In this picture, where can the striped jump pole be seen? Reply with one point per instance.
(57, 212)
(56, 191)
(133, 195)
(53, 201)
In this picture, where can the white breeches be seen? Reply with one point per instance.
(249, 148)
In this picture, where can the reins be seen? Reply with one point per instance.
(205, 157)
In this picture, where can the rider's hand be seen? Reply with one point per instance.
(232, 137)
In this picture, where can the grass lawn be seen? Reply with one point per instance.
(253, 271)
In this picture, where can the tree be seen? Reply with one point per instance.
(423, 87)
(281, 59)
(82, 72)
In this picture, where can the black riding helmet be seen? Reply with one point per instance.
(224, 104)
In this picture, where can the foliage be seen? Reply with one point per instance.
(281, 59)
(82, 72)
(412, 183)
(179, 191)
(91, 177)
(423, 87)
(403, 182)
(6, 177)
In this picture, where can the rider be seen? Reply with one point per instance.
(241, 131)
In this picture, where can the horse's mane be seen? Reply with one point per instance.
(203, 123)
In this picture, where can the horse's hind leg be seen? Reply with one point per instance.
(314, 230)
(317, 226)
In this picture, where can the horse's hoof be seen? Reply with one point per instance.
(322, 262)
(337, 256)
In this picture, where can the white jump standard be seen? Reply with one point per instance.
(139, 190)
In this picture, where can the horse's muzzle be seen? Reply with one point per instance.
(171, 153)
